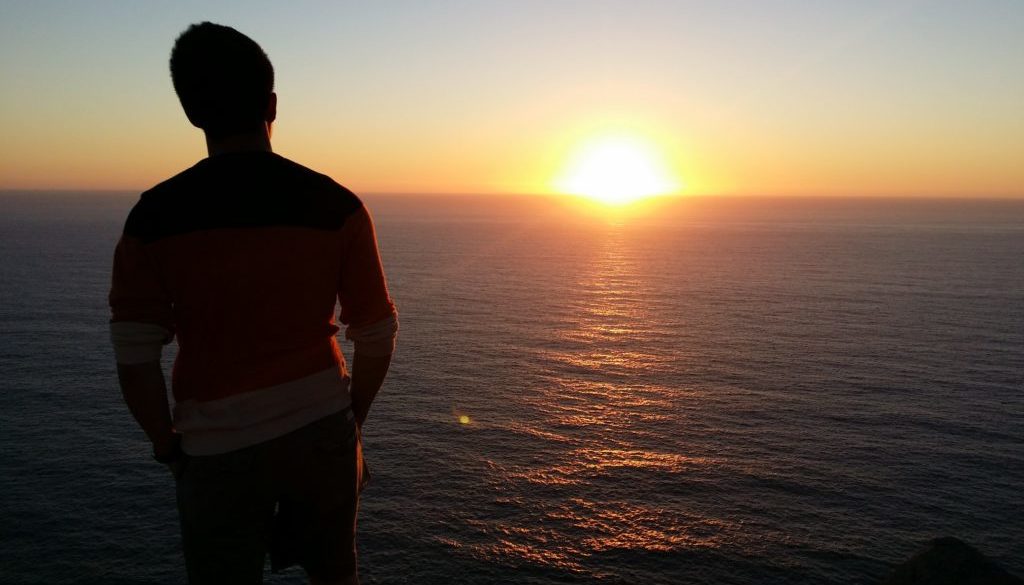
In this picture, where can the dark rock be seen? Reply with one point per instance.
(950, 561)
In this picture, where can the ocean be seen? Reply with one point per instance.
(737, 391)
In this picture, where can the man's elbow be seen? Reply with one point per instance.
(376, 339)
(137, 343)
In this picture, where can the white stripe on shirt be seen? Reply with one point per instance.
(242, 420)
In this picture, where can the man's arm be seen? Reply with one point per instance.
(142, 322)
(368, 373)
(145, 392)
(367, 309)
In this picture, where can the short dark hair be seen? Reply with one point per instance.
(222, 77)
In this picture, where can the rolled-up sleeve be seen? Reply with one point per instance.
(366, 306)
(141, 312)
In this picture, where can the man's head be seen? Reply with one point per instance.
(224, 80)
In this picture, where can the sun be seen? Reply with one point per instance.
(616, 170)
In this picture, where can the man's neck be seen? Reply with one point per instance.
(258, 141)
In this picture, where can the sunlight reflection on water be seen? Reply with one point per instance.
(705, 401)
(596, 419)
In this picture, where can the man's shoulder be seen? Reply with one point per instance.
(146, 211)
(243, 190)
(229, 172)
(300, 173)
(170, 184)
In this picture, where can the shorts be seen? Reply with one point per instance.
(295, 497)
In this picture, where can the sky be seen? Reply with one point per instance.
(770, 97)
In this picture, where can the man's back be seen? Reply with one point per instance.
(243, 258)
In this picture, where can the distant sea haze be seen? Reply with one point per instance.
(746, 391)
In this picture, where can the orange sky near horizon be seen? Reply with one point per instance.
(775, 98)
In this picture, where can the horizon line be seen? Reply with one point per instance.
(4, 191)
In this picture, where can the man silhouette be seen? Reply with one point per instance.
(243, 257)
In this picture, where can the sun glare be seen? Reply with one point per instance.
(616, 171)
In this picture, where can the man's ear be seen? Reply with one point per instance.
(271, 114)
(192, 119)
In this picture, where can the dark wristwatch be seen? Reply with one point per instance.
(173, 455)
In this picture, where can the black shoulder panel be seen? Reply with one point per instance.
(242, 190)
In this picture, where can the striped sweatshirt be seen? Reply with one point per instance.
(244, 258)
